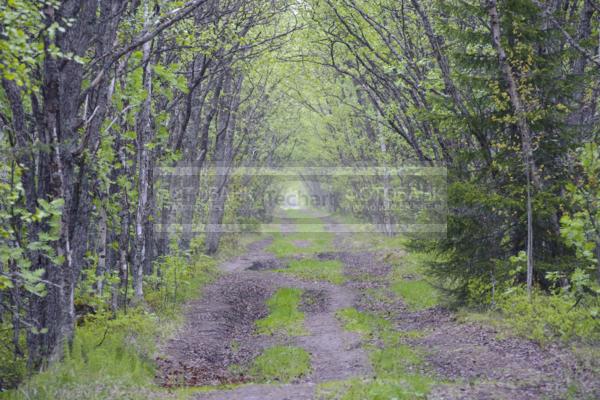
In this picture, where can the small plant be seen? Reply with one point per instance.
(176, 279)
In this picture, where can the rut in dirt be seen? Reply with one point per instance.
(220, 328)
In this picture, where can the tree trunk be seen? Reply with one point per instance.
(226, 124)
(101, 267)
(195, 160)
(144, 162)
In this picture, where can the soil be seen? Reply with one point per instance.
(267, 265)
(314, 300)
(219, 334)
(303, 244)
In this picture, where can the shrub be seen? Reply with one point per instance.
(544, 317)
(175, 280)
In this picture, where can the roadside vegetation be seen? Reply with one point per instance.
(568, 314)
(113, 354)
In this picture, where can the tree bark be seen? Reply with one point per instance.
(144, 162)
(101, 267)
(226, 125)
(195, 159)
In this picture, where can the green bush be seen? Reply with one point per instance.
(545, 317)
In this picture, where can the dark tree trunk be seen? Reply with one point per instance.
(226, 125)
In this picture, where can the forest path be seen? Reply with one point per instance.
(220, 330)
(461, 360)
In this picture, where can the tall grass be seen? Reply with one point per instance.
(112, 356)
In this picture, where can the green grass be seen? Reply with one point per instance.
(308, 230)
(407, 280)
(375, 241)
(369, 240)
(284, 317)
(112, 357)
(304, 222)
(368, 325)
(280, 363)
(417, 294)
(119, 366)
(316, 270)
(394, 363)
(409, 387)
(395, 378)
(284, 246)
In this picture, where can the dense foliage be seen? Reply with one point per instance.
(113, 112)
(504, 95)
(108, 111)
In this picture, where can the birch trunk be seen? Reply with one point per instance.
(144, 136)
